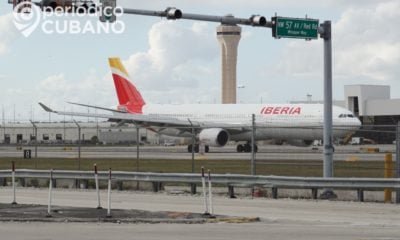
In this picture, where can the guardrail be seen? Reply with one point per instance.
(230, 180)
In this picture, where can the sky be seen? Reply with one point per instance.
(179, 61)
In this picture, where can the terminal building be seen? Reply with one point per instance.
(378, 112)
(105, 133)
(68, 133)
(375, 108)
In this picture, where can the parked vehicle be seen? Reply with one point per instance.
(357, 141)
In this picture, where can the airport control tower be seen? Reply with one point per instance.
(228, 36)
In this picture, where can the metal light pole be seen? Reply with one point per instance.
(193, 185)
(326, 34)
(253, 152)
(77, 182)
(36, 145)
(137, 148)
(79, 144)
(397, 174)
(193, 147)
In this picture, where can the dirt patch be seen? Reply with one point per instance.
(38, 213)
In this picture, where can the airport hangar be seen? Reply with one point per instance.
(371, 103)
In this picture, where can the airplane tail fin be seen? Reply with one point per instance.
(129, 97)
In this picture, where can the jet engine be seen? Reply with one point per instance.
(215, 137)
(299, 142)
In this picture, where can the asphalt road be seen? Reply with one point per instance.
(179, 152)
(280, 219)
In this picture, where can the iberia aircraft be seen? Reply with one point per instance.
(217, 124)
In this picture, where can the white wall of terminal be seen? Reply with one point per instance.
(382, 107)
(366, 100)
(67, 132)
(370, 100)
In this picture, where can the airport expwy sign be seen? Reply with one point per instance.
(284, 27)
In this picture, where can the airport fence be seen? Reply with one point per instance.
(143, 147)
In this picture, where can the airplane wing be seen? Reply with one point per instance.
(139, 119)
(91, 106)
(148, 120)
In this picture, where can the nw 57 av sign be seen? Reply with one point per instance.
(283, 27)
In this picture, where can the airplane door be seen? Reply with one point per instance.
(354, 106)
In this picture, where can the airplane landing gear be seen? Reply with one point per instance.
(240, 148)
(246, 148)
(207, 149)
(197, 148)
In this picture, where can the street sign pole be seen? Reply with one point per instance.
(326, 34)
(253, 144)
(397, 174)
(193, 185)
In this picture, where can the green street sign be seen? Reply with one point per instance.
(304, 28)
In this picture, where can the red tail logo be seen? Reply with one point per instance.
(129, 97)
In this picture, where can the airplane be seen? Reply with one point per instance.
(216, 124)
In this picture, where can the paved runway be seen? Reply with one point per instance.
(179, 152)
(280, 219)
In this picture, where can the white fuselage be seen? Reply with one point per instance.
(273, 121)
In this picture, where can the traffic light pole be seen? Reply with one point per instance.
(326, 34)
(255, 20)
(397, 173)
(174, 14)
(169, 13)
